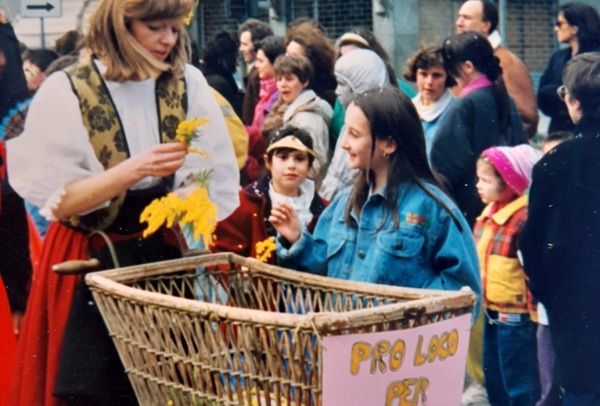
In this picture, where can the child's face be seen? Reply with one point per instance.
(357, 141)
(357, 138)
(289, 169)
(489, 186)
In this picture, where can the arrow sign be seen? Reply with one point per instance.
(46, 7)
(41, 8)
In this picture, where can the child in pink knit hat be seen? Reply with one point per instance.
(509, 344)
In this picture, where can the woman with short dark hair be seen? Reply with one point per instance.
(426, 68)
(267, 50)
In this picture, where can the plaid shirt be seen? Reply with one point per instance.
(503, 278)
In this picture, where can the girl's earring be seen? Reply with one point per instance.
(385, 155)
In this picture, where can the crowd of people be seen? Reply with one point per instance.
(323, 148)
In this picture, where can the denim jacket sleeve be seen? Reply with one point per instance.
(455, 256)
(311, 251)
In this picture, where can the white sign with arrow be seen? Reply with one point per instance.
(41, 8)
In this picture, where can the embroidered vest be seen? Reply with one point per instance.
(105, 129)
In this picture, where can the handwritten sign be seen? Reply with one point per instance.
(419, 366)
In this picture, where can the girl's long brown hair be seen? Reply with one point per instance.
(391, 114)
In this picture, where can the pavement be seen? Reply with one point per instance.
(475, 395)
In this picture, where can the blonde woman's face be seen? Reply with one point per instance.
(158, 36)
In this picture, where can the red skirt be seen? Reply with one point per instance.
(42, 330)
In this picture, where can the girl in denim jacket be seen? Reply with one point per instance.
(395, 226)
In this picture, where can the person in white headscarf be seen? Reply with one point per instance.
(355, 72)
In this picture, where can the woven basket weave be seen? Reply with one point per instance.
(225, 330)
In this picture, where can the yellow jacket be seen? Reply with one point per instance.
(237, 131)
(504, 281)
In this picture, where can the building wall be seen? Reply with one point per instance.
(221, 15)
(340, 15)
(529, 26)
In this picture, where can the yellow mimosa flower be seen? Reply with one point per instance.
(188, 19)
(265, 248)
(197, 211)
(186, 132)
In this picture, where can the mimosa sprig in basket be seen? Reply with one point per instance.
(196, 211)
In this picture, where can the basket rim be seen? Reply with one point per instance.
(420, 301)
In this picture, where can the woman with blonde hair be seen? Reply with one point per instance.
(92, 162)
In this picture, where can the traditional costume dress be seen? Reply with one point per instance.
(78, 126)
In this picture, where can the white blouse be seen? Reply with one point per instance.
(54, 148)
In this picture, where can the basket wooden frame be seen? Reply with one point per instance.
(251, 350)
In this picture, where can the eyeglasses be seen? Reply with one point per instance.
(562, 92)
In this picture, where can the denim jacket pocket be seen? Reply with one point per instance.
(398, 257)
(339, 256)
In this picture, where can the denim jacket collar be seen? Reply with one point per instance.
(379, 195)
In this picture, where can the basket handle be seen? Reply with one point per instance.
(109, 244)
(76, 267)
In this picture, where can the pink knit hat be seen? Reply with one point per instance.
(515, 164)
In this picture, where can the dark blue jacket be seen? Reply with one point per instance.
(13, 86)
(469, 127)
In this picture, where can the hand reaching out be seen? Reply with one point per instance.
(286, 222)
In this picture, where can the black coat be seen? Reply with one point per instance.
(560, 244)
(468, 128)
(548, 101)
(224, 83)
(15, 262)
(13, 85)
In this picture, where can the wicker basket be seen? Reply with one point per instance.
(225, 330)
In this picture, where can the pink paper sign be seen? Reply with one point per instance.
(419, 366)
